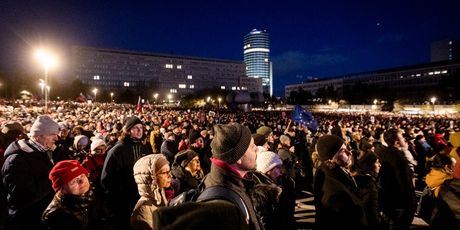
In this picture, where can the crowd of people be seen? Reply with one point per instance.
(110, 166)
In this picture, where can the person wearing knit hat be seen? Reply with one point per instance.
(152, 175)
(186, 168)
(117, 175)
(32, 189)
(259, 139)
(71, 207)
(335, 191)
(233, 160)
(94, 162)
(366, 177)
(269, 163)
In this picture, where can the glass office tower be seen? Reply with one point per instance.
(257, 58)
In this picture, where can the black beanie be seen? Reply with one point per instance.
(230, 142)
(327, 146)
(131, 122)
(184, 157)
(193, 136)
(367, 160)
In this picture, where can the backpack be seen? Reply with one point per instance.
(167, 216)
(426, 204)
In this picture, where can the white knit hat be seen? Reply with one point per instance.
(96, 142)
(267, 160)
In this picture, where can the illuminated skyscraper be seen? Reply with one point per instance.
(257, 58)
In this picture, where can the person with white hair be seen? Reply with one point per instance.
(25, 175)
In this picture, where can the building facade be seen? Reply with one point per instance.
(162, 74)
(256, 52)
(445, 50)
(416, 82)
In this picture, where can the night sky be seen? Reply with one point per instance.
(307, 38)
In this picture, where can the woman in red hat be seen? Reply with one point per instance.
(71, 207)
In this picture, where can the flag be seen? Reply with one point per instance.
(304, 117)
(149, 105)
(139, 105)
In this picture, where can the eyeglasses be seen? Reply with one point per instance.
(164, 174)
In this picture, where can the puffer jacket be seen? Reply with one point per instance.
(152, 196)
(69, 212)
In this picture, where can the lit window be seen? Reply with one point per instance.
(96, 77)
(126, 84)
(243, 88)
(222, 87)
(233, 88)
(266, 59)
(444, 71)
(189, 77)
(430, 73)
(418, 75)
(182, 86)
(173, 90)
(192, 86)
(179, 66)
(437, 72)
(169, 66)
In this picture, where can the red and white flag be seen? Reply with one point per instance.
(139, 105)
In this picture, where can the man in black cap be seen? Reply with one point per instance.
(117, 175)
(233, 158)
(337, 199)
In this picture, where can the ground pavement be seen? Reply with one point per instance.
(305, 213)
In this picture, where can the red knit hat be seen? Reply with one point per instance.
(65, 171)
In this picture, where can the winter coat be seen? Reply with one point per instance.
(397, 193)
(337, 200)
(369, 191)
(70, 212)
(118, 181)
(25, 181)
(185, 178)
(455, 141)
(435, 178)
(224, 177)
(152, 196)
(448, 209)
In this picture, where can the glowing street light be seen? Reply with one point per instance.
(155, 97)
(95, 94)
(433, 100)
(376, 101)
(219, 100)
(47, 60)
(111, 96)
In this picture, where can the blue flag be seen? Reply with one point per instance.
(304, 117)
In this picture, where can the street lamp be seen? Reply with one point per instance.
(95, 94)
(375, 101)
(433, 100)
(111, 96)
(42, 87)
(219, 100)
(48, 61)
(155, 96)
(48, 88)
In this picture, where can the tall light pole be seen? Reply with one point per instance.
(48, 61)
(433, 100)
(155, 96)
(95, 94)
(219, 100)
(111, 97)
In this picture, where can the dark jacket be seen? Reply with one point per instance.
(337, 200)
(118, 180)
(185, 178)
(25, 181)
(224, 177)
(369, 189)
(397, 193)
(70, 212)
(447, 215)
